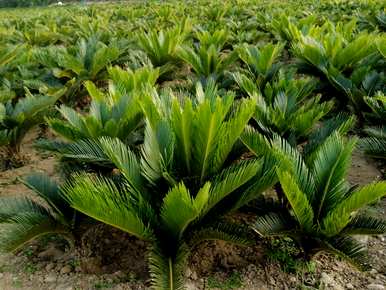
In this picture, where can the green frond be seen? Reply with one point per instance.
(125, 160)
(46, 188)
(127, 81)
(274, 224)
(256, 143)
(64, 129)
(341, 123)
(151, 160)
(377, 105)
(231, 131)
(179, 209)
(11, 207)
(161, 46)
(330, 164)
(261, 62)
(100, 199)
(373, 146)
(94, 92)
(378, 132)
(349, 249)
(365, 225)
(217, 38)
(289, 158)
(299, 202)
(340, 216)
(231, 179)
(28, 226)
(8, 54)
(181, 122)
(208, 123)
(207, 62)
(86, 150)
(167, 272)
(246, 84)
(222, 231)
(72, 117)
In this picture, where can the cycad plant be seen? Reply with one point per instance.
(87, 60)
(377, 105)
(17, 119)
(375, 144)
(161, 46)
(325, 211)
(343, 59)
(7, 54)
(117, 114)
(286, 29)
(285, 105)
(23, 219)
(262, 63)
(23, 72)
(207, 58)
(174, 194)
(375, 20)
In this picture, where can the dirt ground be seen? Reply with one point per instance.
(110, 259)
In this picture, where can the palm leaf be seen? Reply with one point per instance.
(26, 227)
(99, 198)
(256, 143)
(86, 150)
(125, 160)
(340, 216)
(330, 164)
(274, 224)
(373, 146)
(11, 207)
(299, 203)
(166, 271)
(231, 179)
(365, 225)
(349, 249)
(222, 231)
(179, 209)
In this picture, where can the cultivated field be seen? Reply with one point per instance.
(193, 145)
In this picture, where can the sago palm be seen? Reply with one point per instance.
(87, 60)
(375, 144)
(115, 114)
(207, 58)
(174, 194)
(285, 105)
(23, 219)
(7, 54)
(17, 119)
(161, 46)
(377, 104)
(325, 211)
(346, 61)
(262, 63)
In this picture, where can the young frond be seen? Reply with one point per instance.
(166, 272)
